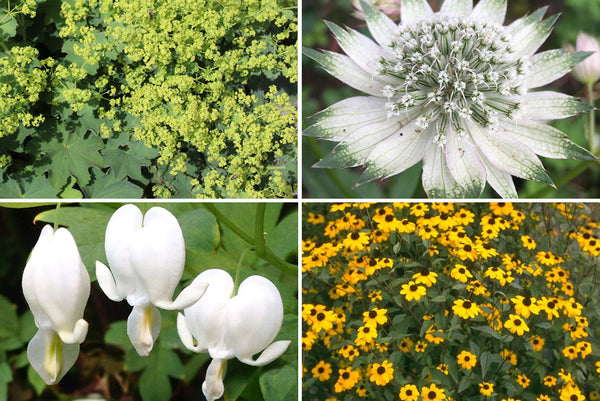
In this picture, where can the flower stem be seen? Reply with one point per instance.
(236, 280)
(580, 168)
(269, 256)
(259, 234)
(56, 216)
(592, 121)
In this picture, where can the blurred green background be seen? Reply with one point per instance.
(320, 90)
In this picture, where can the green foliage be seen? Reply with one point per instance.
(216, 236)
(174, 98)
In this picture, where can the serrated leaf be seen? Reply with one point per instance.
(37, 187)
(72, 154)
(107, 186)
(127, 160)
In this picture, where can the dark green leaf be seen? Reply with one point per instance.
(107, 186)
(127, 160)
(72, 155)
(279, 384)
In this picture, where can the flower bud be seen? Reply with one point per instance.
(588, 71)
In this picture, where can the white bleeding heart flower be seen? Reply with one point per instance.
(233, 327)
(56, 286)
(146, 255)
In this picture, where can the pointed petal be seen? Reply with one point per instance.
(550, 65)
(465, 165)
(547, 105)
(213, 387)
(412, 11)
(457, 7)
(492, 11)
(381, 27)
(362, 50)
(119, 230)
(509, 156)
(337, 122)
(532, 34)
(522, 23)
(437, 179)
(49, 357)
(356, 147)
(185, 335)
(346, 70)
(545, 140)
(272, 352)
(205, 318)
(258, 309)
(500, 181)
(143, 327)
(107, 283)
(157, 253)
(396, 153)
(188, 296)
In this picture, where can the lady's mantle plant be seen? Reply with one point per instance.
(453, 89)
(143, 98)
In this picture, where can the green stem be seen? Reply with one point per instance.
(269, 256)
(330, 172)
(56, 216)
(259, 232)
(580, 168)
(236, 282)
(592, 120)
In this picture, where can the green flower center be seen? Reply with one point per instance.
(452, 69)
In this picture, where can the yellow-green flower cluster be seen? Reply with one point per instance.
(23, 79)
(197, 77)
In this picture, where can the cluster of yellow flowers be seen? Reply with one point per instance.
(197, 77)
(450, 301)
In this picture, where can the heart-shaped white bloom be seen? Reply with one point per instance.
(146, 255)
(56, 286)
(227, 327)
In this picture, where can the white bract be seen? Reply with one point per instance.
(233, 327)
(146, 255)
(452, 89)
(56, 286)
